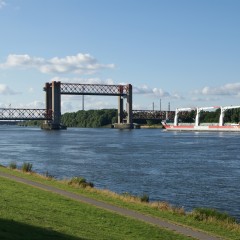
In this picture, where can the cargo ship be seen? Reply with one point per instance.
(196, 126)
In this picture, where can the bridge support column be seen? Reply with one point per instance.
(121, 124)
(53, 106)
(120, 109)
(56, 103)
(48, 99)
(129, 105)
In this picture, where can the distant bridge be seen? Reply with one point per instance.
(24, 114)
(42, 114)
(52, 111)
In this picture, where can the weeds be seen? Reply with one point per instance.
(27, 167)
(208, 214)
(81, 182)
(49, 176)
(13, 165)
(144, 198)
(165, 206)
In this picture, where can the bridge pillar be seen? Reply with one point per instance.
(120, 109)
(56, 102)
(129, 104)
(48, 99)
(53, 106)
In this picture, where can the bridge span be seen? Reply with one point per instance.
(52, 112)
(24, 114)
(42, 114)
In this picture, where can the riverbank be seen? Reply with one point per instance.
(229, 231)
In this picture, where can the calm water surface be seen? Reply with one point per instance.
(185, 169)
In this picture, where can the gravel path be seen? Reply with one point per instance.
(126, 212)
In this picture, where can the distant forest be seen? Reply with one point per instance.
(90, 118)
(230, 116)
(100, 118)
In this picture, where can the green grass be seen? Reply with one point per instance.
(31, 213)
(220, 228)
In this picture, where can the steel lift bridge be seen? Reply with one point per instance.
(55, 89)
(52, 112)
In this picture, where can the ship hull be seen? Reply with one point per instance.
(235, 128)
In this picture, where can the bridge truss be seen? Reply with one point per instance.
(94, 89)
(24, 114)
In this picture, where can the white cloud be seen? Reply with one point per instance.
(230, 89)
(78, 64)
(35, 105)
(2, 3)
(31, 90)
(155, 92)
(5, 90)
(108, 81)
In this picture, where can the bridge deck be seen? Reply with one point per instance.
(24, 114)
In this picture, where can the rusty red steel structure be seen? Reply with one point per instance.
(24, 114)
(54, 90)
(94, 89)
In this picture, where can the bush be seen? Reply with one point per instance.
(13, 165)
(144, 198)
(205, 214)
(27, 167)
(49, 176)
(81, 182)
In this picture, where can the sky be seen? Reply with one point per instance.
(185, 53)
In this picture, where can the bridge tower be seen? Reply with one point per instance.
(55, 89)
(53, 105)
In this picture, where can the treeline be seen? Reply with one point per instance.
(99, 118)
(90, 118)
(231, 116)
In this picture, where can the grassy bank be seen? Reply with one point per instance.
(30, 213)
(23, 206)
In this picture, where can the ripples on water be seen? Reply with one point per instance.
(186, 169)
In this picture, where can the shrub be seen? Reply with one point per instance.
(144, 198)
(81, 182)
(27, 167)
(165, 206)
(49, 176)
(13, 165)
(205, 214)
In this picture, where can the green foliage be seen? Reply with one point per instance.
(144, 198)
(165, 210)
(31, 123)
(90, 118)
(13, 165)
(36, 214)
(49, 176)
(153, 122)
(27, 167)
(204, 214)
(81, 182)
(231, 116)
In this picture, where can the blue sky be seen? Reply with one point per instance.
(185, 52)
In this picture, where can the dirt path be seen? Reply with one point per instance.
(126, 212)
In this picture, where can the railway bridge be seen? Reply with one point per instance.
(52, 112)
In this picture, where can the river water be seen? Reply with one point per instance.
(187, 169)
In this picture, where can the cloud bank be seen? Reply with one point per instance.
(230, 89)
(2, 3)
(96, 80)
(155, 92)
(78, 64)
(5, 90)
